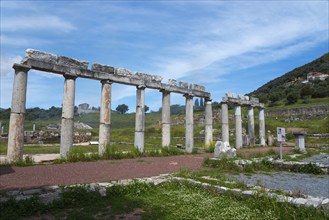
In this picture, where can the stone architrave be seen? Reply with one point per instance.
(251, 126)
(189, 142)
(208, 123)
(225, 125)
(140, 118)
(17, 114)
(262, 127)
(105, 117)
(67, 126)
(238, 127)
(165, 118)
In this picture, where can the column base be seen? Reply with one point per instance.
(139, 140)
(16, 137)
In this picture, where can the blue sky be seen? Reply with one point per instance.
(232, 46)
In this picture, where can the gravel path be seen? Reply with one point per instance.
(12, 177)
(319, 158)
(296, 182)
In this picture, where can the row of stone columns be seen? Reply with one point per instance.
(16, 127)
(238, 125)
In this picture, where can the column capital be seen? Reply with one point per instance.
(208, 100)
(188, 95)
(18, 67)
(164, 91)
(141, 87)
(68, 76)
(106, 81)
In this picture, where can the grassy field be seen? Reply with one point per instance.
(122, 128)
(176, 200)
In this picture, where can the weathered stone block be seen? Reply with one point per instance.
(67, 61)
(183, 85)
(198, 87)
(122, 72)
(102, 68)
(172, 82)
(223, 148)
(39, 55)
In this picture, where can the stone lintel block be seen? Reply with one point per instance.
(67, 61)
(102, 68)
(53, 59)
(39, 55)
(197, 87)
(152, 84)
(148, 77)
(172, 82)
(183, 85)
(122, 72)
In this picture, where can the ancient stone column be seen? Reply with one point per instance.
(189, 123)
(262, 127)
(18, 106)
(225, 127)
(165, 118)
(67, 126)
(140, 118)
(238, 127)
(105, 117)
(251, 126)
(208, 123)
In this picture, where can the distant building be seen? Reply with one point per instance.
(84, 109)
(84, 106)
(316, 75)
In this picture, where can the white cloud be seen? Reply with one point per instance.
(36, 22)
(22, 41)
(263, 32)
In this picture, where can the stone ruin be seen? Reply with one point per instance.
(251, 103)
(71, 69)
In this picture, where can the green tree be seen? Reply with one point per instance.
(306, 91)
(123, 108)
(196, 103)
(292, 98)
(201, 102)
(146, 108)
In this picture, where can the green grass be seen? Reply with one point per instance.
(301, 103)
(176, 200)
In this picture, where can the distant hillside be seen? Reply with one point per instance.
(294, 85)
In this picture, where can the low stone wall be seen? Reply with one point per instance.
(314, 110)
(48, 194)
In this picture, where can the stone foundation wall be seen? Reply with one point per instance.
(314, 110)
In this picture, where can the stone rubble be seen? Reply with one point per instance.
(223, 149)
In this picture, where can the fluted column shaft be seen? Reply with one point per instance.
(165, 118)
(238, 127)
(189, 142)
(251, 126)
(67, 126)
(17, 114)
(262, 127)
(140, 118)
(225, 125)
(208, 123)
(105, 117)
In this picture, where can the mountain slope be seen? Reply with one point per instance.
(291, 82)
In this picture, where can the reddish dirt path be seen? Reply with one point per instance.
(12, 177)
(263, 150)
